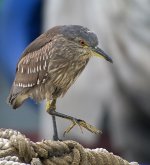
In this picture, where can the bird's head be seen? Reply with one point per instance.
(86, 39)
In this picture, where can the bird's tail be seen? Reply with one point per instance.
(16, 96)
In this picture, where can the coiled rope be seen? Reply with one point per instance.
(16, 149)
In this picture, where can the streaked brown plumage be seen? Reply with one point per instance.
(52, 62)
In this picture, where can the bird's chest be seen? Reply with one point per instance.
(67, 76)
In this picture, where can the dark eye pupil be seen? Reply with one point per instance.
(82, 42)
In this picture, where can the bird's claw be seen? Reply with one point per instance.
(70, 127)
(82, 123)
(89, 127)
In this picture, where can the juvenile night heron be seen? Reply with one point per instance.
(50, 65)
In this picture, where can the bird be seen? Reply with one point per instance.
(50, 65)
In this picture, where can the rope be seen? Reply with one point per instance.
(16, 149)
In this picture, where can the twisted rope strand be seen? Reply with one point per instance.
(16, 149)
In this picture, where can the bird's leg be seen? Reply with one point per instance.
(51, 106)
(74, 121)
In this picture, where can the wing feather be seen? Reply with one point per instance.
(32, 68)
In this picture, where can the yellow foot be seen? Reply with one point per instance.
(82, 123)
(48, 105)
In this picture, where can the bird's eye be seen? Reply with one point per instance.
(82, 42)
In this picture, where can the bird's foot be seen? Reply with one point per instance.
(56, 138)
(50, 105)
(82, 123)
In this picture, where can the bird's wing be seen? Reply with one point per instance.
(32, 68)
(41, 41)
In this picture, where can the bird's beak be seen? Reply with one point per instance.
(100, 53)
